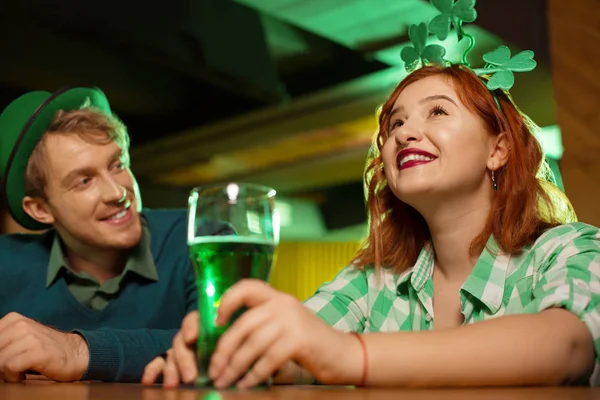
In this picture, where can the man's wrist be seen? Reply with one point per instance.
(81, 355)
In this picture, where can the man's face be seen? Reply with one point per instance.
(90, 195)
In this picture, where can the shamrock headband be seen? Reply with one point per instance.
(499, 64)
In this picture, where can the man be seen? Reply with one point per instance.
(103, 290)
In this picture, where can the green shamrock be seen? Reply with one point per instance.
(502, 65)
(420, 51)
(451, 13)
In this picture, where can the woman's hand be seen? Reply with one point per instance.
(274, 330)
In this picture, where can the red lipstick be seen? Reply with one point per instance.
(408, 158)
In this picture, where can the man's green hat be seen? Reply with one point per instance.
(22, 124)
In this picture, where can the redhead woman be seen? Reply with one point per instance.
(470, 275)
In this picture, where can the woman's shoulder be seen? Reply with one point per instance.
(364, 278)
(567, 233)
(564, 241)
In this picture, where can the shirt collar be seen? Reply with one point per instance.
(140, 260)
(485, 283)
(421, 272)
(487, 280)
(56, 262)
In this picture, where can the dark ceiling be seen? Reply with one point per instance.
(169, 67)
(165, 68)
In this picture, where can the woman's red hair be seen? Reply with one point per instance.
(397, 232)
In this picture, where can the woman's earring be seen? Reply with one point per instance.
(494, 184)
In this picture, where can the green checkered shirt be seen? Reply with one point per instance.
(561, 269)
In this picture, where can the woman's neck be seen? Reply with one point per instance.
(453, 225)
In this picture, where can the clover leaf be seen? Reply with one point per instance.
(502, 65)
(420, 51)
(451, 13)
(521, 62)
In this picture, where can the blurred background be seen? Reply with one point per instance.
(284, 93)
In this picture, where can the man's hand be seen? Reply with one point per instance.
(26, 345)
(180, 361)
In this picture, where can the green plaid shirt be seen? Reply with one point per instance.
(561, 269)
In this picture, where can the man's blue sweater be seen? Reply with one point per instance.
(136, 326)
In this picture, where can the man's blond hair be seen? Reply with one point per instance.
(91, 124)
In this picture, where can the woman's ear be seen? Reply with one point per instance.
(500, 150)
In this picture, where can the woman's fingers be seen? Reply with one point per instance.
(232, 339)
(250, 350)
(273, 359)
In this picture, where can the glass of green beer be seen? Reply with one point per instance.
(232, 234)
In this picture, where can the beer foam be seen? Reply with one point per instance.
(231, 239)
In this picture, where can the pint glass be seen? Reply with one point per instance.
(232, 233)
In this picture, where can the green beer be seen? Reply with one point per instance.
(219, 262)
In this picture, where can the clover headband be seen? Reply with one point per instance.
(499, 64)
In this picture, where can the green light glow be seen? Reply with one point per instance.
(210, 289)
(550, 139)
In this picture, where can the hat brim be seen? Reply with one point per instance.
(67, 99)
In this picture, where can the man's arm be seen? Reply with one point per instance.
(117, 355)
(120, 355)
(105, 354)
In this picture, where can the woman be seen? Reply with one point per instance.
(467, 277)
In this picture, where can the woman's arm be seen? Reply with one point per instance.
(550, 348)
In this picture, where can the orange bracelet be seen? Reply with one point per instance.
(363, 380)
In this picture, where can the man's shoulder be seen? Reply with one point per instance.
(25, 247)
(167, 230)
(18, 241)
(164, 217)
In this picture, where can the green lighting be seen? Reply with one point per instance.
(550, 139)
(212, 395)
(210, 289)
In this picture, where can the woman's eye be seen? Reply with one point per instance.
(396, 124)
(438, 110)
